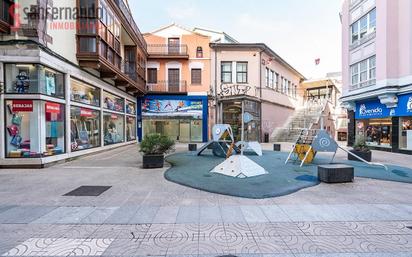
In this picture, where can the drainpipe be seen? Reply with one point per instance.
(215, 88)
(260, 96)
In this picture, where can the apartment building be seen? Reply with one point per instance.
(377, 72)
(70, 72)
(251, 78)
(178, 81)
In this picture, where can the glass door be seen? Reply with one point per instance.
(174, 45)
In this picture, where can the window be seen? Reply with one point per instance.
(405, 133)
(226, 70)
(112, 102)
(277, 82)
(87, 8)
(267, 77)
(87, 44)
(34, 79)
(152, 76)
(197, 76)
(34, 128)
(83, 93)
(130, 108)
(113, 128)
(4, 11)
(199, 52)
(241, 72)
(85, 128)
(364, 26)
(363, 73)
(377, 132)
(295, 91)
(271, 79)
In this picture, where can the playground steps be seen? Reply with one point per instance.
(303, 118)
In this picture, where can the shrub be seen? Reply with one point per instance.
(360, 144)
(156, 144)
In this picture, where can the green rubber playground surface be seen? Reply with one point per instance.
(194, 171)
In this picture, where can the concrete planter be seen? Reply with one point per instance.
(367, 156)
(153, 161)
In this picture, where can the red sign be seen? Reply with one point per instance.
(52, 108)
(86, 113)
(22, 106)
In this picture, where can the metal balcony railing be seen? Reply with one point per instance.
(165, 86)
(167, 50)
(132, 70)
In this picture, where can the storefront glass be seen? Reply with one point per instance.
(33, 79)
(405, 133)
(85, 128)
(34, 129)
(232, 114)
(131, 128)
(83, 93)
(130, 108)
(181, 120)
(113, 128)
(377, 132)
(112, 102)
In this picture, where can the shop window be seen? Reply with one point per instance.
(113, 128)
(130, 108)
(405, 133)
(112, 102)
(130, 128)
(33, 79)
(85, 128)
(83, 93)
(34, 129)
(377, 132)
(199, 52)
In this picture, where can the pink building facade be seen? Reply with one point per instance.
(377, 72)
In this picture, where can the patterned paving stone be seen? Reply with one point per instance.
(242, 245)
(209, 247)
(183, 246)
(92, 247)
(122, 247)
(153, 246)
(271, 245)
(274, 229)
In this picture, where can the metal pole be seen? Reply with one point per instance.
(242, 135)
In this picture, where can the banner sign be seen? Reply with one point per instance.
(22, 106)
(170, 108)
(374, 109)
(52, 108)
(86, 113)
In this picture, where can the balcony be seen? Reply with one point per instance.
(167, 51)
(165, 86)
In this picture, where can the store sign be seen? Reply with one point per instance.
(22, 106)
(86, 113)
(52, 108)
(374, 109)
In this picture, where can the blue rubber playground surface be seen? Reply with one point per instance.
(194, 171)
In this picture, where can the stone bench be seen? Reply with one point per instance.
(336, 173)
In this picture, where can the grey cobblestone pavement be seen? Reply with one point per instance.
(143, 214)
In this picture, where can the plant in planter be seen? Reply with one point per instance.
(361, 149)
(154, 147)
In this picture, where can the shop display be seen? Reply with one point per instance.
(377, 132)
(85, 128)
(113, 128)
(113, 103)
(82, 93)
(23, 123)
(131, 128)
(33, 79)
(130, 108)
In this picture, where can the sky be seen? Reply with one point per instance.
(300, 31)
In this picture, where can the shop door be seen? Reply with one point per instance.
(173, 82)
(184, 131)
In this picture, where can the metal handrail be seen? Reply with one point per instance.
(167, 86)
(167, 49)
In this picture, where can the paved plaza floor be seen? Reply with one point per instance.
(142, 214)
